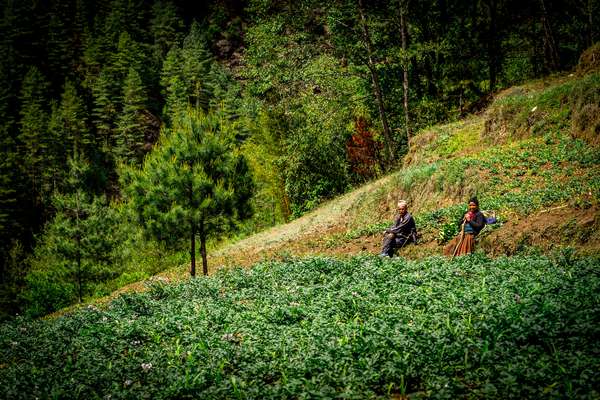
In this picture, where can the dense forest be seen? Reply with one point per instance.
(303, 100)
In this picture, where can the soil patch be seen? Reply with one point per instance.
(546, 230)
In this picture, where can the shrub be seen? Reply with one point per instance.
(48, 291)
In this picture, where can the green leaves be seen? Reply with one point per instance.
(521, 327)
(193, 183)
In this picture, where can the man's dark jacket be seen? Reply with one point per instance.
(404, 227)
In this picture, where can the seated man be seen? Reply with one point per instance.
(402, 232)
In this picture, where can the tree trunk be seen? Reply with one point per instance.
(550, 47)
(78, 240)
(203, 252)
(493, 48)
(193, 252)
(79, 280)
(375, 79)
(403, 12)
(193, 226)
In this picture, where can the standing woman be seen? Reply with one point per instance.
(472, 223)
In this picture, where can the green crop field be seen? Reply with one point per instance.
(474, 327)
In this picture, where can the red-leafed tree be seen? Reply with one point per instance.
(363, 150)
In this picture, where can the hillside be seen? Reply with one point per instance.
(321, 316)
(527, 157)
(519, 327)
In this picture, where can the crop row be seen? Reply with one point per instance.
(323, 328)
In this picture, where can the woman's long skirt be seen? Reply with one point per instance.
(458, 247)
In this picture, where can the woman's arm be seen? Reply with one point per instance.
(478, 222)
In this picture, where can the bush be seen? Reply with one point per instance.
(589, 60)
(48, 291)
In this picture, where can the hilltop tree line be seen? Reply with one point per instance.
(307, 98)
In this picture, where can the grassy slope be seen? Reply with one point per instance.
(525, 157)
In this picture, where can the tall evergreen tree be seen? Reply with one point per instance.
(105, 109)
(74, 119)
(33, 135)
(187, 70)
(129, 54)
(70, 136)
(166, 27)
(193, 185)
(124, 16)
(74, 249)
(10, 228)
(60, 42)
(196, 65)
(130, 127)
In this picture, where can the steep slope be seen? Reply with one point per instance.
(532, 157)
(367, 327)
(529, 157)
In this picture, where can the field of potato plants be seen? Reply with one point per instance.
(473, 327)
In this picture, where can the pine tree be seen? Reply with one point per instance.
(165, 27)
(193, 185)
(105, 109)
(187, 71)
(69, 133)
(74, 117)
(9, 183)
(129, 54)
(56, 156)
(175, 90)
(196, 65)
(130, 127)
(33, 135)
(74, 250)
(60, 42)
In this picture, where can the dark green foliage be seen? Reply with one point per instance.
(79, 247)
(62, 43)
(191, 76)
(130, 136)
(166, 27)
(522, 327)
(90, 79)
(105, 108)
(69, 126)
(193, 184)
(33, 133)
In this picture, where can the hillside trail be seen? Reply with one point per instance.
(543, 231)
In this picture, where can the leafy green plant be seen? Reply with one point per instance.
(447, 231)
(320, 327)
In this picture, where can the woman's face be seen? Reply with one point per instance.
(472, 207)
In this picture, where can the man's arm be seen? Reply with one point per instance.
(401, 224)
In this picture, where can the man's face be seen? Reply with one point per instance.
(402, 208)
